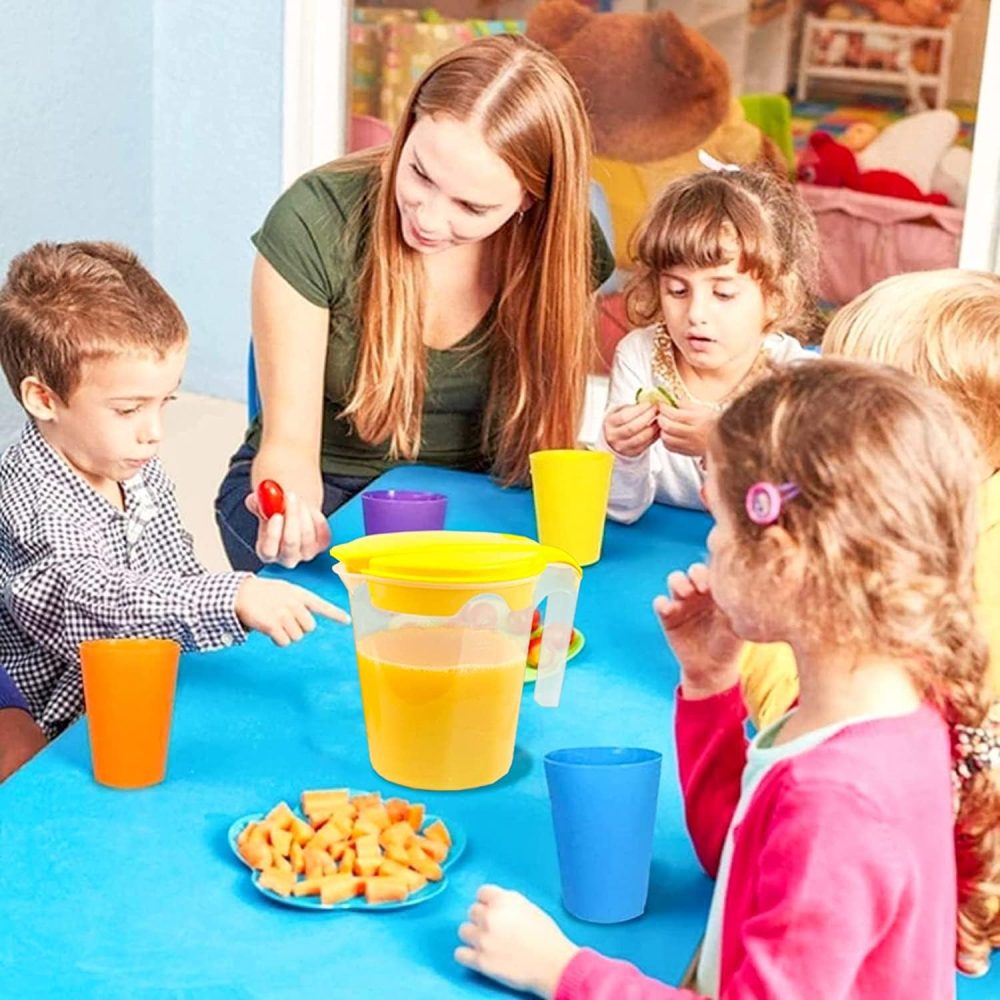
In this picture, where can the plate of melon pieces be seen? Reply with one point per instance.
(344, 849)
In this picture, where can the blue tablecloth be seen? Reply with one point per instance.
(116, 893)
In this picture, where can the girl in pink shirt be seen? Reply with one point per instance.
(839, 836)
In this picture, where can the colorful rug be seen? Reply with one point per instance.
(829, 116)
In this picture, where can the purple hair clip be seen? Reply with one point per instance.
(764, 501)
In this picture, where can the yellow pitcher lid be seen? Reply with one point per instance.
(449, 557)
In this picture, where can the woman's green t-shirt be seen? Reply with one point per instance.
(315, 237)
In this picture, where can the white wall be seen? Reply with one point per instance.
(75, 123)
(157, 123)
(217, 92)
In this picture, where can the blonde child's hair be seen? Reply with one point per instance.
(532, 116)
(64, 304)
(886, 520)
(942, 326)
(699, 220)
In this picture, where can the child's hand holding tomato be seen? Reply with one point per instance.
(287, 500)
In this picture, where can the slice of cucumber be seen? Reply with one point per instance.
(655, 396)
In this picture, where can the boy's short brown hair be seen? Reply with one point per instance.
(66, 303)
(941, 326)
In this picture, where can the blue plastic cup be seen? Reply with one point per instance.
(604, 813)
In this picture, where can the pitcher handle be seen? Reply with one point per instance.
(560, 583)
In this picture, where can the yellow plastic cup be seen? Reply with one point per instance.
(571, 498)
(128, 688)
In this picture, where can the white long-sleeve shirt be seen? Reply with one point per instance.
(658, 474)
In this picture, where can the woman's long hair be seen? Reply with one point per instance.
(533, 118)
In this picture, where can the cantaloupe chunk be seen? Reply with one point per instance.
(398, 853)
(398, 809)
(256, 854)
(281, 816)
(347, 861)
(244, 834)
(432, 848)
(302, 832)
(438, 831)
(281, 840)
(414, 880)
(280, 862)
(307, 887)
(318, 804)
(278, 881)
(368, 847)
(377, 816)
(384, 889)
(364, 828)
(338, 887)
(297, 858)
(366, 867)
(421, 863)
(317, 863)
(399, 833)
(415, 816)
(366, 801)
(325, 836)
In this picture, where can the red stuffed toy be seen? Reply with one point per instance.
(829, 163)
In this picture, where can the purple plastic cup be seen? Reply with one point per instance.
(402, 510)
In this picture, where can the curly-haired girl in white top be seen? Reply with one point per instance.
(725, 266)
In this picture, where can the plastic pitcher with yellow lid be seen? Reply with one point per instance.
(441, 627)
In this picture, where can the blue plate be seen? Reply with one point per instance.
(429, 891)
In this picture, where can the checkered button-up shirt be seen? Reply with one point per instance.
(74, 567)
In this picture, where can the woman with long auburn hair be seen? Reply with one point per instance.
(427, 301)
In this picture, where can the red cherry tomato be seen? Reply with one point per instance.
(270, 498)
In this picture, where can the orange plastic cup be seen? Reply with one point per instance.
(128, 688)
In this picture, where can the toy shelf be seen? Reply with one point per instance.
(914, 60)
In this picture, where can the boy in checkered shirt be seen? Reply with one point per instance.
(91, 542)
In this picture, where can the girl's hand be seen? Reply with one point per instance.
(699, 633)
(281, 610)
(630, 430)
(302, 532)
(684, 428)
(511, 940)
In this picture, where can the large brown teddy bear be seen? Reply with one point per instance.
(656, 92)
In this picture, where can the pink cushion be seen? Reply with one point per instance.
(865, 238)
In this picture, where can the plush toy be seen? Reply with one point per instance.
(831, 164)
(922, 148)
(656, 92)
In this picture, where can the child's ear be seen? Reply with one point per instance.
(784, 555)
(37, 398)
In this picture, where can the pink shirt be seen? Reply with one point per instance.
(843, 873)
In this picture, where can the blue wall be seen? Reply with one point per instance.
(76, 86)
(154, 123)
(217, 156)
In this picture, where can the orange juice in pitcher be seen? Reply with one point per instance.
(441, 627)
(441, 704)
